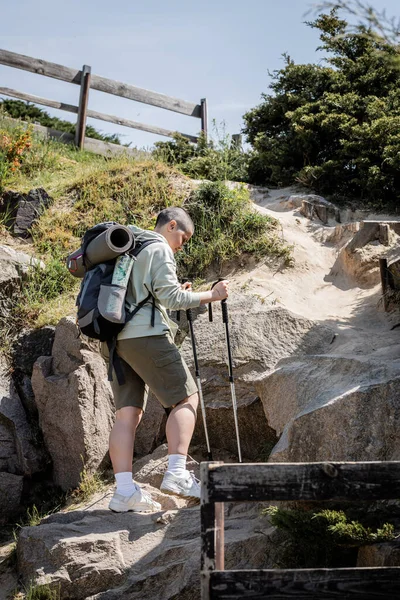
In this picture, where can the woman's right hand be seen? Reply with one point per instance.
(220, 291)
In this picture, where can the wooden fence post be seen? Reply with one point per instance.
(384, 281)
(204, 118)
(237, 140)
(82, 109)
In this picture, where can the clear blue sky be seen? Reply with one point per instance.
(218, 49)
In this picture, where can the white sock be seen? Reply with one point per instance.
(177, 464)
(125, 484)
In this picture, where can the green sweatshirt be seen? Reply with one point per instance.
(155, 271)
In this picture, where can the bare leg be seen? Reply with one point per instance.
(122, 438)
(180, 425)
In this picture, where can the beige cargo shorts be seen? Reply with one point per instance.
(152, 361)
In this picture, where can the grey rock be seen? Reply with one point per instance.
(385, 554)
(260, 337)
(10, 495)
(333, 408)
(151, 430)
(28, 347)
(316, 207)
(93, 553)
(14, 268)
(24, 209)
(359, 258)
(75, 405)
(18, 453)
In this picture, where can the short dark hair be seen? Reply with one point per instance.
(178, 214)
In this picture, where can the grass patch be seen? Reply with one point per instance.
(327, 538)
(38, 592)
(89, 485)
(226, 227)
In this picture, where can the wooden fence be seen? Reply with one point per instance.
(287, 482)
(87, 81)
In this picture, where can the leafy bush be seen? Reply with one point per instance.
(326, 538)
(215, 161)
(226, 226)
(334, 128)
(14, 145)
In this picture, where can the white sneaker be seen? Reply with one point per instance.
(187, 485)
(140, 501)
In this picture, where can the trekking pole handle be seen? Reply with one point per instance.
(224, 307)
(210, 314)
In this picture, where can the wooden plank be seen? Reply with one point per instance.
(303, 481)
(135, 125)
(94, 114)
(38, 100)
(40, 67)
(102, 84)
(125, 90)
(304, 584)
(383, 268)
(83, 103)
(219, 536)
(204, 117)
(92, 145)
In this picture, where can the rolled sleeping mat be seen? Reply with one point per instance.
(116, 240)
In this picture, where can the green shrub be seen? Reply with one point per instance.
(325, 538)
(333, 127)
(227, 226)
(216, 161)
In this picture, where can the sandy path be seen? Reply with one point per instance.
(307, 289)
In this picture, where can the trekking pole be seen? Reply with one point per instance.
(224, 307)
(189, 316)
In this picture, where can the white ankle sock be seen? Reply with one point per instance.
(177, 464)
(125, 484)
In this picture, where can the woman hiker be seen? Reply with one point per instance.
(150, 359)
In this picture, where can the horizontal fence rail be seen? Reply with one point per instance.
(303, 481)
(87, 81)
(307, 584)
(333, 481)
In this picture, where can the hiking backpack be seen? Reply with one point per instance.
(102, 309)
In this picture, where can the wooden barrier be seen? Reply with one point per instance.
(88, 81)
(302, 482)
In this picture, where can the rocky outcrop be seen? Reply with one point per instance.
(19, 455)
(75, 405)
(316, 207)
(385, 554)
(28, 347)
(22, 210)
(93, 552)
(260, 337)
(333, 408)
(359, 258)
(14, 267)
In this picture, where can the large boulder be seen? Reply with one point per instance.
(260, 337)
(358, 260)
(75, 405)
(19, 454)
(334, 408)
(27, 348)
(93, 552)
(316, 207)
(22, 210)
(384, 554)
(14, 267)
